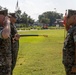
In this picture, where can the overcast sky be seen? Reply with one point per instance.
(36, 7)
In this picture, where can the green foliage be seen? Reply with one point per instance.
(51, 16)
(18, 11)
(24, 27)
(45, 20)
(30, 20)
(40, 55)
(24, 18)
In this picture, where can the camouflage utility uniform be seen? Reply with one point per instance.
(14, 46)
(5, 55)
(69, 50)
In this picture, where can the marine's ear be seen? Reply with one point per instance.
(66, 23)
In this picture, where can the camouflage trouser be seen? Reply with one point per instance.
(15, 48)
(68, 71)
(5, 66)
(5, 57)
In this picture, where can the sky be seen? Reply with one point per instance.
(34, 8)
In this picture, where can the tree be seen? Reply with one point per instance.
(51, 15)
(24, 17)
(45, 20)
(18, 11)
(30, 20)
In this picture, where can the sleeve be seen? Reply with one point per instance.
(1, 34)
(13, 30)
(74, 35)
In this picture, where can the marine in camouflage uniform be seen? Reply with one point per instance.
(69, 48)
(14, 46)
(14, 43)
(5, 53)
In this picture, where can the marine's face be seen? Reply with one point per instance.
(13, 20)
(71, 20)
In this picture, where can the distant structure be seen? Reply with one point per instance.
(18, 14)
(17, 9)
(17, 6)
(58, 22)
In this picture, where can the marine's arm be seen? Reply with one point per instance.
(14, 32)
(74, 36)
(74, 66)
(75, 54)
(5, 33)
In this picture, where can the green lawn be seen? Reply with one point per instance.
(39, 55)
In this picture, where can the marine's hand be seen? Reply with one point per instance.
(73, 70)
(17, 36)
(6, 30)
(7, 20)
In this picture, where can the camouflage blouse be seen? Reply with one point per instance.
(69, 47)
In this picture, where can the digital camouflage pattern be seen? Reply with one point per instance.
(69, 51)
(14, 46)
(5, 56)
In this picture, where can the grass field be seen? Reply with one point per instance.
(39, 55)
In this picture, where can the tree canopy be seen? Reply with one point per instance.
(50, 17)
(24, 18)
